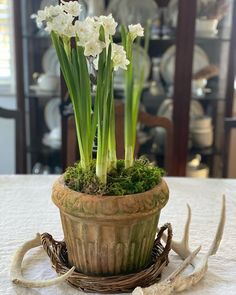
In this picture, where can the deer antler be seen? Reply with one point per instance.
(15, 272)
(176, 282)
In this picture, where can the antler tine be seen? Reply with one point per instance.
(185, 240)
(177, 283)
(167, 286)
(15, 272)
(182, 247)
(184, 265)
(220, 229)
(201, 265)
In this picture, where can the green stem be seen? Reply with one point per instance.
(112, 132)
(101, 171)
(105, 98)
(133, 91)
(129, 156)
(128, 105)
(75, 72)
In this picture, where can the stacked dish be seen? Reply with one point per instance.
(166, 110)
(202, 131)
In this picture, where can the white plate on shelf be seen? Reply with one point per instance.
(55, 66)
(52, 114)
(50, 62)
(167, 64)
(132, 11)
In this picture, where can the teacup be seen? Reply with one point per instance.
(206, 27)
(48, 82)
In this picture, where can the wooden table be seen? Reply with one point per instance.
(26, 209)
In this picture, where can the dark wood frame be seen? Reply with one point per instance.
(229, 124)
(230, 94)
(231, 67)
(19, 115)
(182, 83)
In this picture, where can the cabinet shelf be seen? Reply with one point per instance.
(42, 95)
(208, 151)
(215, 96)
(198, 39)
(41, 149)
(36, 36)
(212, 39)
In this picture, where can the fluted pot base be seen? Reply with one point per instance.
(109, 235)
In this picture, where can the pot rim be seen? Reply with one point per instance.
(61, 181)
(83, 205)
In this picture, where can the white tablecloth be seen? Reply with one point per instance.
(26, 208)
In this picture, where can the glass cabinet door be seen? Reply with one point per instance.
(210, 70)
(42, 93)
(209, 80)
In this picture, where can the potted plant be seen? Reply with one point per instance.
(109, 208)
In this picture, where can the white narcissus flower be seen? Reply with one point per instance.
(119, 57)
(69, 31)
(60, 23)
(94, 48)
(52, 11)
(108, 23)
(80, 28)
(136, 31)
(50, 27)
(86, 30)
(72, 7)
(47, 14)
(91, 24)
(40, 18)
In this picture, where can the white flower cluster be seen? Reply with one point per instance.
(119, 57)
(62, 20)
(136, 31)
(59, 18)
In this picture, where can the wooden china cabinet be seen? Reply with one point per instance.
(220, 48)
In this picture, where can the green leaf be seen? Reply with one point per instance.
(102, 34)
(123, 31)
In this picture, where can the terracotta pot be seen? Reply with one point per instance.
(108, 235)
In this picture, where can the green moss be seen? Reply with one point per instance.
(142, 176)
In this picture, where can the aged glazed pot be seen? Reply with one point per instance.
(109, 235)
